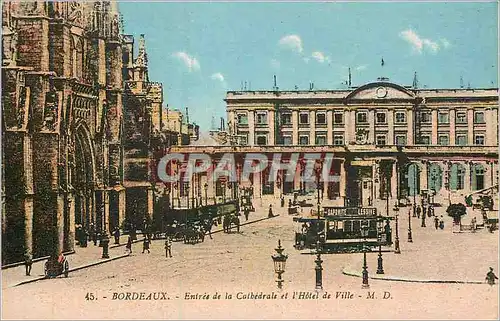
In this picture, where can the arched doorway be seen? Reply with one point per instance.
(413, 179)
(83, 180)
(435, 177)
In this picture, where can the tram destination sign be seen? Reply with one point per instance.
(350, 211)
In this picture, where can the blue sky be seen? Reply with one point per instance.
(201, 50)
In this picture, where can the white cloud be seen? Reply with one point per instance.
(320, 57)
(217, 76)
(292, 42)
(419, 43)
(191, 63)
(306, 59)
(275, 64)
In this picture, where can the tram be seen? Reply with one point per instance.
(340, 230)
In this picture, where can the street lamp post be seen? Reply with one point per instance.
(319, 267)
(187, 193)
(410, 239)
(279, 260)
(397, 250)
(380, 260)
(206, 193)
(364, 233)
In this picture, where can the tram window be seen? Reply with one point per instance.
(348, 226)
(356, 226)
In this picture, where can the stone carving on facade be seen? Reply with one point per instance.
(32, 8)
(50, 111)
(75, 12)
(21, 110)
(9, 46)
(362, 136)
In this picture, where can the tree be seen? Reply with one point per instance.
(456, 211)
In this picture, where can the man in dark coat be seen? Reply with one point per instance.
(145, 245)
(129, 244)
(168, 247)
(28, 261)
(270, 211)
(491, 277)
(116, 234)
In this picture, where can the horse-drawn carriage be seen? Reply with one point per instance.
(56, 266)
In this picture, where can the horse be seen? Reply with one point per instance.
(228, 221)
(207, 225)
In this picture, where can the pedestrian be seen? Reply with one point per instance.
(491, 277)
(430, 211)
(28, 261)
(282, 201)
(129, 244)
(116, 234)
(424, 210)
(145, 245)
(289, 202)
(246, 211)
(270, 211)
(436, 222)
(418, 211)
(441, 224)
(473, 224)
(168, 247)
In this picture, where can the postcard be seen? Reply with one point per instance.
(249, 160)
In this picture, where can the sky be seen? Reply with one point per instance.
(199, 51)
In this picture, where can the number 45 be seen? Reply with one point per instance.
(90, 296)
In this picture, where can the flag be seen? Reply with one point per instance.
(382, 63)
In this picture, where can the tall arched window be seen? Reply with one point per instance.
(413, 177)
(477, 181)
(434, 177)
(79, 60)
(457, 177)
(72, 58)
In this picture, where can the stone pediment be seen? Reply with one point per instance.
(380, 91)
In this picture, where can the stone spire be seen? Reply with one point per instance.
(142, 57)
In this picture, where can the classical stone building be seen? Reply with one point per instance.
(387, 140)
(80, 124)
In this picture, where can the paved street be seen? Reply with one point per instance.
(232, 263)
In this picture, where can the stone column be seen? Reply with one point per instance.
(150, 203)
(257, 185)
(296, 179)
(409, 122)
(295, 128)
(329, 127)
(488, 174)
(371, 121)
(71, 231)
(494, 126)
(347, 126)
(28, 224)
(424, 175)
(343, 180)
(470, 126)
(272, 128)
(352, 127)
(452, 126)
(312, 123)
(467, 176)
(390, 127)
(434, 119)
(60, 222)
(394, 180)
(251, 128)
